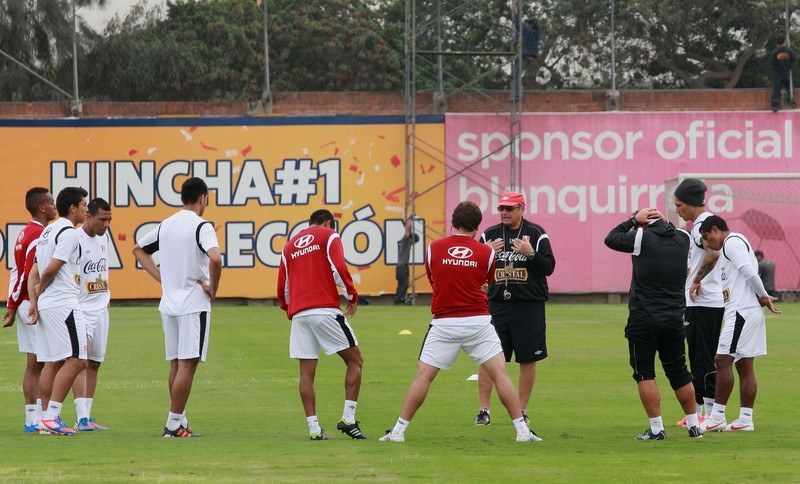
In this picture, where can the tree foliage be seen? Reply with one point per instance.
(38, 34)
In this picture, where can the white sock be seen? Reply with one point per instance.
(745, 415)
(691, 420)
(400, 427)
(313, 425)
(53, 410)
(80, 408)
(519, 424)
(709, 404)
(349, 413)
(30, 415)
(698, 408)
(656, 425)
(174, 420)
(39, 411)
(89, 406)
(184, 421)
(718, 413)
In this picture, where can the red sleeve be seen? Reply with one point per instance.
(428, 266)
(336, 254)
(282, 287)
(492, 262)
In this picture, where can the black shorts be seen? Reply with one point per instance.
(645, 338)
(521, 327)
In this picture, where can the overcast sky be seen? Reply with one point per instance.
(99, 17)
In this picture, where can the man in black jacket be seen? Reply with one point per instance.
(655, 322)
(781, 60)
(517, 297)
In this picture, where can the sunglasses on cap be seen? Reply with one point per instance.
(503, 208)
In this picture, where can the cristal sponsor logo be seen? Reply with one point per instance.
(460, 256)
(95, 266)
(304, 241)
(98, 285)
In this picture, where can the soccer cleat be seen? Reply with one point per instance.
(483, 418)
(100, 427)
(711, 425)
(525, 418)
(649, 435)
(181, 432)
(529, 437)
(736, 426)
(682, 422)
(695, 432)
(391, 437)
(56, 426)
(350, 429)
(30, 429)
(320, 436)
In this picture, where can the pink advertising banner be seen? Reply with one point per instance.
(582, 174)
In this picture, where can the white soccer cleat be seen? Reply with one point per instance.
(711, 425)
(736, 426)
(529, 437)
(391, 437)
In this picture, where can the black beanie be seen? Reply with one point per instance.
(692, 192)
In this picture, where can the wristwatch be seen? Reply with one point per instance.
(531, 255)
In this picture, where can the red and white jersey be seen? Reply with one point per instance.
(457, 267)
(94, 271)
(312, 267)
(24, 255)
(60, 241)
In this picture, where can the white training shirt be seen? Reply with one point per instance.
(59, 240)
(711, 289)
(182, 241)
(736, 291)
(94, 271)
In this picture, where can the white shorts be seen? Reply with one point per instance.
(26, 334)
(186, 336)
(744, 334)
(312, 332)
(61, 334)
(446, 336)
(96, 334)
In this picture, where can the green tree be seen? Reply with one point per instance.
(38, 34)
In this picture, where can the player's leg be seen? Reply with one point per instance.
(642, 347)
(26, 341)
(528, 338)
(439, 350)
(308, 371)
(671, 351)
(503, 330)
(98, 341)
(483, 345)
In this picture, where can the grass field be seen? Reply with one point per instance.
(245, 402)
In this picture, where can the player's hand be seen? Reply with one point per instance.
(767, 301)
(33, 315)
(9, 317)
(694, 290)
(485, 287)
(351, 307)
(209, 289)
(522, 246)
(496, 244)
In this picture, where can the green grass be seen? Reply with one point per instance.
(245, 401)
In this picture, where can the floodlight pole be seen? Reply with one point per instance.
(788, 44)
(77, 109)
(266, 95)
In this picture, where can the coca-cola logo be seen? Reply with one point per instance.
(92, 266)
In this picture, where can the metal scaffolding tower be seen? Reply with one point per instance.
(434, 64)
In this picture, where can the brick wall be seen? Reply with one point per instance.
(334, 103)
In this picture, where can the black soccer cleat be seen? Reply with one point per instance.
(695, 432)
(350, 429)
(649, 435)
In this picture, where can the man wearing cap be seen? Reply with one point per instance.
(704, 311)
(517, 296)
